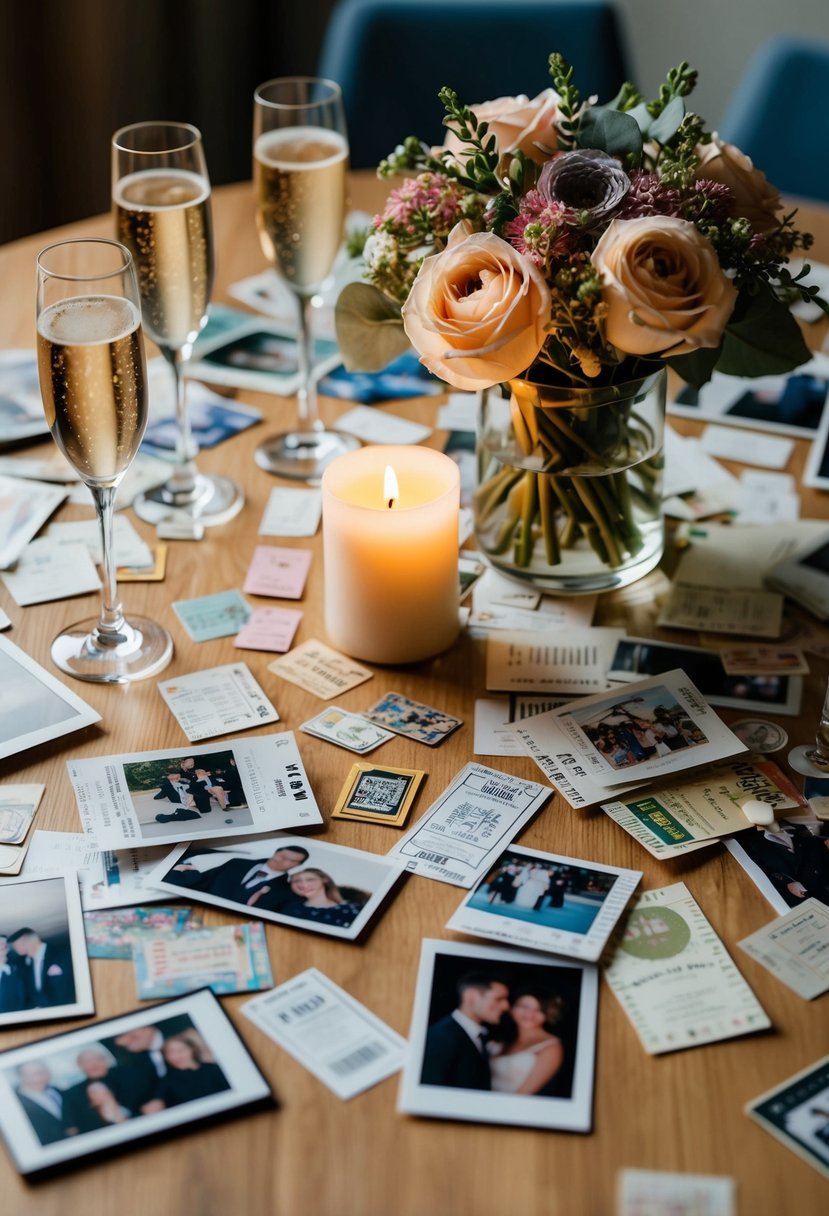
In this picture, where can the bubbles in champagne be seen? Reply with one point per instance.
(92, 380)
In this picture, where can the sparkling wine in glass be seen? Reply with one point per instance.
(161, 199)
(300, 160)
(92, 369)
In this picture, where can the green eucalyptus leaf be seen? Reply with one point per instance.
(369, 328)
(697, 367)
(641, 116)
(610, 131)
(663, 128)
(762, 338)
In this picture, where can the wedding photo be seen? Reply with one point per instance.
(121, 1080)
(502, 1037)
(293, 880)
(44, 972)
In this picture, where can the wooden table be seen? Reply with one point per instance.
(316, 1154)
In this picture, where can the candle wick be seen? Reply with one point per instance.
(391, 503)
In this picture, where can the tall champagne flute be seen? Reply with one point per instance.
(161, 198)
(90, 354)
(300, 158)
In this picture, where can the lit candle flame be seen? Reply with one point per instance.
(391, 490)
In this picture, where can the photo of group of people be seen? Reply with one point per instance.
(78, 1093)
(633, 729)
(545, 892)
(43, 966)
(186, 789)
(503, 1036)
(323, 887)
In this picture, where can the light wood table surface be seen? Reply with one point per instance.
(318, 1155)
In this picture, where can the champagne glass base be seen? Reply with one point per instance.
(215, 500)
(303, 455)
(145, 648)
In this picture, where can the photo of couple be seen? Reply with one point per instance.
(175, 790)
(545, 893)
(508, 1029)
(638, 728)
(283, 878)
(110, 1081)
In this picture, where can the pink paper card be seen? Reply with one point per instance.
(278, 572)
(269, 629)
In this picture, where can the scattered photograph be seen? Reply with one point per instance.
(378, 795)
(117, 1082)
(249, 352)
(114, 932)
(224, 958)
(787, 405)
(816, 472)
(292, 880)
(412, 719)
(542, 901)
(212, 418)
(35, 706)
(501, 1036)
(21, 405)
(240, 789)
(804, 576)
(638, 657)
(107, 879)
(44, 971)
(630, 730)
(797, 1114)
(788, 866)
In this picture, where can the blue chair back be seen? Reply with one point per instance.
(779, 116)
(392, 56)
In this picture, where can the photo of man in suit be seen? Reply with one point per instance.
(259, 881)
(456, 1051)
(80, 1113)
(141, 1064)
(47, 969)
(12, 988)
(41, 1100)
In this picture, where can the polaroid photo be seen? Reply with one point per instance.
(638, 657)
(44, 971)
(18, 804)
(107, 879)
(21, 405)
(378, 795)
(113, 933)
(501, 1036)
(256, 354)
(290, 880)
(816, 472)
(35, 707)
(224, 958)
(651, 1192)
(797, 1114)
(787, 866)
(416, 721)
(542, 901)
(145, 1074)
(347, 730)
(786, 405)
(624, 739)
(804, 577)
(465, 829)
(336, 1038)
(170, 795)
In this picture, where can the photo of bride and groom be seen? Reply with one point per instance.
(509, 1030)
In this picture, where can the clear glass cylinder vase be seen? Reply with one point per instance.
(569, 482)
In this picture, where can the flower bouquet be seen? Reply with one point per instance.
(556, 255)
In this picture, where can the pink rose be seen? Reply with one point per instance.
(518, 122)
(477, 312)
(663, 286)
(755, 198)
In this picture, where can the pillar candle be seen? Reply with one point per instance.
(391, 564)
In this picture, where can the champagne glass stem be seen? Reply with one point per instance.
(111, 624)
(308, 410)
(183, 480)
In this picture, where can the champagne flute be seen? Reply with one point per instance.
(161, 198)
(90, 354)
(300, 158)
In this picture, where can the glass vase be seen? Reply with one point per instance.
(569, 490)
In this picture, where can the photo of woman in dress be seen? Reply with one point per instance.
(317, 897)
(531, 1054)
(189, 1074)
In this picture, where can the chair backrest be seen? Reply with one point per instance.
(392, 56)
(779, 116)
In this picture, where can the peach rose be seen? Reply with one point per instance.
(663, 287)
(754, 196)
(477, 311)
(517, 122)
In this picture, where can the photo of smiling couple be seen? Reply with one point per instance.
(503, 1034)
